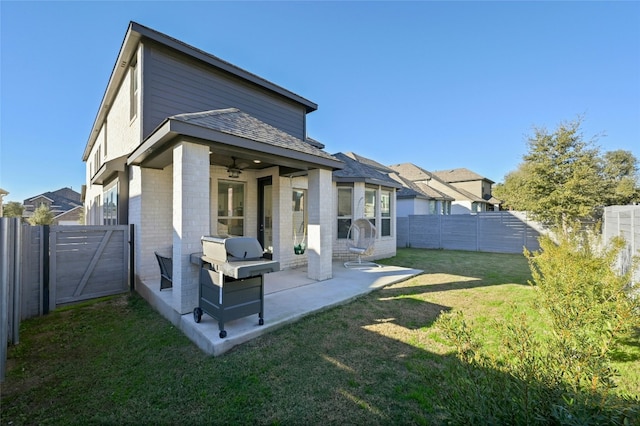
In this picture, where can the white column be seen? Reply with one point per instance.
(320, 227)
(190, 220)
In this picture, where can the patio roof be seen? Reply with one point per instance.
(231, 132)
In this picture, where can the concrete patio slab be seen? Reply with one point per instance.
(289, 296)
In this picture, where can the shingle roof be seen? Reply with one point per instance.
(369, 162)
(459, 175)
(63, 199)
(411, 172)
(417, 174)
(355, 170)
(413, 189)
(234, 122)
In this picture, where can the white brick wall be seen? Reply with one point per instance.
(321, 216)
(150, 210)
(190, 220)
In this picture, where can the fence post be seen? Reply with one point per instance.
(45, 269)
(17, 281)
(4, 294)
(132, 281)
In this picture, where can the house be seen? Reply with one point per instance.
(185, 145)
(473, 183)
(418, 198)
(466, 192)
(65, 204)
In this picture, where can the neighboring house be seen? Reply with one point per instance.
(65, 204)
(458, 190)
(185, 144)
(417, 198)
(3, 193)
(472, 182)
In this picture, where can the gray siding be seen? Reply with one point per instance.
(174, 84)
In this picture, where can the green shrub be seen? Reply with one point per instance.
(559, 375)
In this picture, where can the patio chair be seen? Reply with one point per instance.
(361, 239)
(166, 271)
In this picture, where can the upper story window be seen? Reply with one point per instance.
(230, 208)
(133, 90)
(345, 210)
(97, 159)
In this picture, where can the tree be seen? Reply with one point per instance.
(42, 216)
(620, 171)
(560, 179)
(512, 191)
(12, 209)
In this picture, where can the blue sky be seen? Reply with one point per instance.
(439, 84)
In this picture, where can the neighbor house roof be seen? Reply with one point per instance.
(411, 172)
(361, 170)
(418, 190)
(419, 175)
(233, 128)
(62, 200)
(459, 175)
(135, 34)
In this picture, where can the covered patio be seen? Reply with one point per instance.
(289, 295)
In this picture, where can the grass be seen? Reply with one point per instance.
(377, 360)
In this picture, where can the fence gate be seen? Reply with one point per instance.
(87, 262)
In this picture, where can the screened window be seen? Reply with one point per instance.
(345, 210)
(385, 213)
(230, 208)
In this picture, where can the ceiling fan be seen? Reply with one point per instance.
(234, 169)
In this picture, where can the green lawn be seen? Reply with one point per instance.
(377, 360)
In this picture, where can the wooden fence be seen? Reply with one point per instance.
(498, 232)
(43, 267)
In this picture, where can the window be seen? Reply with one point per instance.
(133, 90)
(110, 206)
(433, 206)
(96, 210)
(345, 210)
(299, 212)
(385, 213)
(370, 211)
(97, 159)
(230, 208)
